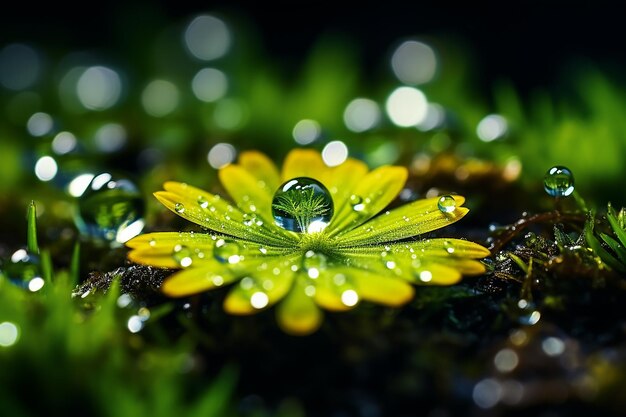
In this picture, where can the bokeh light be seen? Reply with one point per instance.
(63, 142)
(335, 153)
(9, 334)
(221, 155)
(99, 88)
(406, 106)
(110, 137)
(20, 66)
(414, 62)
(207, 37)
(46, 168)
(492, 127)
(209, 85)
(39, 124)
(306, 131)
(160, 98)
(361, 114)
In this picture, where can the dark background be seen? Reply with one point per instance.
(532, 43)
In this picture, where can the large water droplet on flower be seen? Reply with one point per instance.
(110, 209)
(446, 204)
(559, 182)
(314, 263)
(24, 270)
(302, 205)
(227, 251)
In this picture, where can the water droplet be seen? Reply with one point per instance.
(179, 208)
(448, 246)
(302, 205)
(559, 182)
(349, 298)
(182, 255)
(314, 263)
(227, 251)
(110, 209)
(252, 219)
(24, 268)
(446, 204)
(259, 300)
(202, 202)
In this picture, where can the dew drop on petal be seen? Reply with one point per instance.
(559, 182)
(448, 246)
(259, 300)
(349, 298)
(314, 263)
(446, 204)
(179, 208)
(182, 255)
(302, 205)
(203, 202)
(227, 251)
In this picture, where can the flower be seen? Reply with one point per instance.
(310, 236)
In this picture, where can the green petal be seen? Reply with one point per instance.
(431, 261)
(262, 168)
(261, 289)
(251, 195)
(183, 250)
(196, 280)
(372, 194)
(298, 314)
(384, 290)
(214, 213)
(411, 219)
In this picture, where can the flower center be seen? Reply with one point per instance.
(302, 205)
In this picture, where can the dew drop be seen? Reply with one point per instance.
(446, 204)
(259, 300)
(349, 298)
(448, 246)
(111, 209)
(182, 255)
(227, 251)
(314, 263)
(302, 205)
(24, 270)
(559, 182)
(202, 202)
(179, 208)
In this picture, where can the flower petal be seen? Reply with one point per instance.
(212, 212)
(298, 314)
(409, 220)
(262, 289)
(184, 250)
(251, 195)
(384, 290)
(342, 181)
(339, 289)
(305, 163)
(262, 168)
(372, 194)
(196, 280)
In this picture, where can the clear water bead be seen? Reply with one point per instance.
(302, 205)
(227, 251)
(446, 204)
(110, 209)
(559, 182)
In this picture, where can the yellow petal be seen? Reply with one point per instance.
(196, 280)
(260, 290)
(298, 314)
(409, 220)
(150, 257)
(436, 274)
(382, 289)
(342, 181)
(214, 213)
(250, 194)
(305, 163)
(372, 194)
(262, 168)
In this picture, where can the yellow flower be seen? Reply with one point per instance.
(310, 236)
